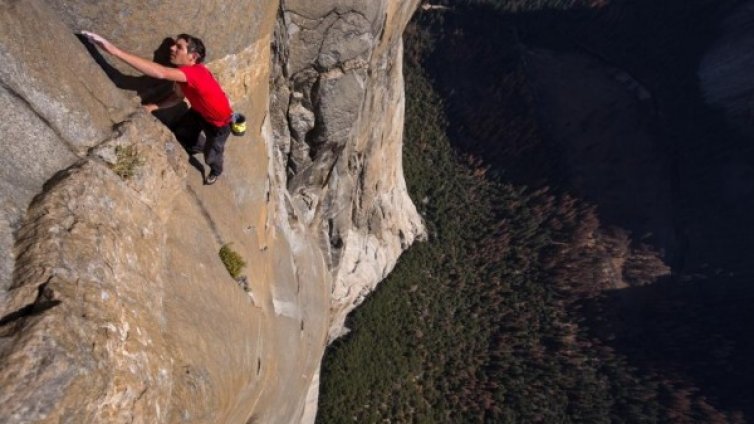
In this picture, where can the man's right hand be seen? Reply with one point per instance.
(100, 41)
(147, 67)
(151, 107)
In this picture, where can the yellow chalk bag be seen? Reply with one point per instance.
(238, 124)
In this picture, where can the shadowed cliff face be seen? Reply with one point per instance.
(642, 110)
(645, 125)
(724, 70)
(114, 305)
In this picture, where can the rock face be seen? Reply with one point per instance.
(338, 104)
(114, 305)
(47, 125)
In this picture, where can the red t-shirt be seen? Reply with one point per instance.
(206, 95)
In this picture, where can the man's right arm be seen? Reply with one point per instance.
(147, 67)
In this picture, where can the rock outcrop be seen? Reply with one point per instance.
(114, 305)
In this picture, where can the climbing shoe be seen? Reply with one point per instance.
(211, 178)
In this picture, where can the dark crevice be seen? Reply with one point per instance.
(44, 301)
(206, 215)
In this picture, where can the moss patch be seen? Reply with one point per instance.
(127, 161)
(233, 262)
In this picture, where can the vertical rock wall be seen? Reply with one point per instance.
(114, 305)
(56, 104)
(337, 117)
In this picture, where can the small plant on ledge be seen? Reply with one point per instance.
(233, 262)
(127, 161)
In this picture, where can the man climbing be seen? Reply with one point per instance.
(210, 110)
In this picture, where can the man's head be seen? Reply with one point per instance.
(187, 50)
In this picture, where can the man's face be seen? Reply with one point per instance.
(179, 54)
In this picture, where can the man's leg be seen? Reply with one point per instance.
(214, 150)
(188, 129)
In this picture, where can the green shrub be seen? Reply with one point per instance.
(127, 161)
(233, 262)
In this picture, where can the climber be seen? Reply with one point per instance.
(210, 110)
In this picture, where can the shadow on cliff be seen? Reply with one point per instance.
(148, 89)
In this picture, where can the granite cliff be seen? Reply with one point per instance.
(114, 304)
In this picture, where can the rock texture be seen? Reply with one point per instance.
(52, 114)
(336, 111)
(114, 305)
(88, 292)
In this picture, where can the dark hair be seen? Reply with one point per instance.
(195, 45)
